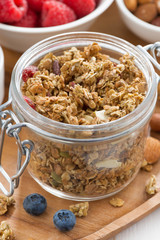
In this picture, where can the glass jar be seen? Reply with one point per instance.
(84, 162)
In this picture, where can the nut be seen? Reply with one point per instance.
(156, 21)
(158, 5)
(152, 150)
(145, 1)
(146, 12)
(131, 5)
(155, 122)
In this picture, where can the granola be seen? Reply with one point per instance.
(116, 202)
(87, 170)
(5, 202)
(151, 187)
(86, 88)
(80, 209)
(6, 232)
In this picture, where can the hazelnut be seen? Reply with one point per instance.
(152, 150)
(145, 1)
(155, 122)
(158, 5)
(131, 5)
(146, 12)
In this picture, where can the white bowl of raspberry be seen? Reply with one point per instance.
(1, 75)
(39, 19)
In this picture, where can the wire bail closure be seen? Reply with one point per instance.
(7, 120)
(155, 52)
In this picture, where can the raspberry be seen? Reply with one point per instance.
(56, 13)
(12, 10)
(81, 7)
(30, 102)
(28, 72)
(29, 20)
(36, 5)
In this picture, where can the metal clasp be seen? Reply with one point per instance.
(11, 126)
(155, 52)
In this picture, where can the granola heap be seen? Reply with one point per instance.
(80, 209)
(85, 88)
(116, 202)
(151, 187)
(5, 202)
(6, 232)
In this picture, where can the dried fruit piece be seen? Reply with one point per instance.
(28, 72)
(116, 202)
(30, 102)
(29, 20)
(80, 209)
(146, 12)
(56, 67)
(152, 150)
(6, 232)
(81, 7)
(5, 202)
(151, 188)
(12, 11)
(64, 220)
(56, 13)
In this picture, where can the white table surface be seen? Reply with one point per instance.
(146, 229)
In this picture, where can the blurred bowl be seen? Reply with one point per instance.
(20, 38)
(1, 75)
(144, 30)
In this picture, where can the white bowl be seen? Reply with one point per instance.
(20, 38)
(1, 75)
(144, 30)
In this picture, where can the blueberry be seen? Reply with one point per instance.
(64, 220)
(35, 204)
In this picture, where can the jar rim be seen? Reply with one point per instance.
(129, 119)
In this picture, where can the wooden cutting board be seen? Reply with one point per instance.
(103, 220)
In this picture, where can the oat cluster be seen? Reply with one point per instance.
(151, 186)
(6, 232)
(5, 202)
(85, 87)
(80, 209)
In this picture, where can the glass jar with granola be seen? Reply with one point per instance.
(86, 100)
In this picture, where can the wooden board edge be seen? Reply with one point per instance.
(125, 221)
